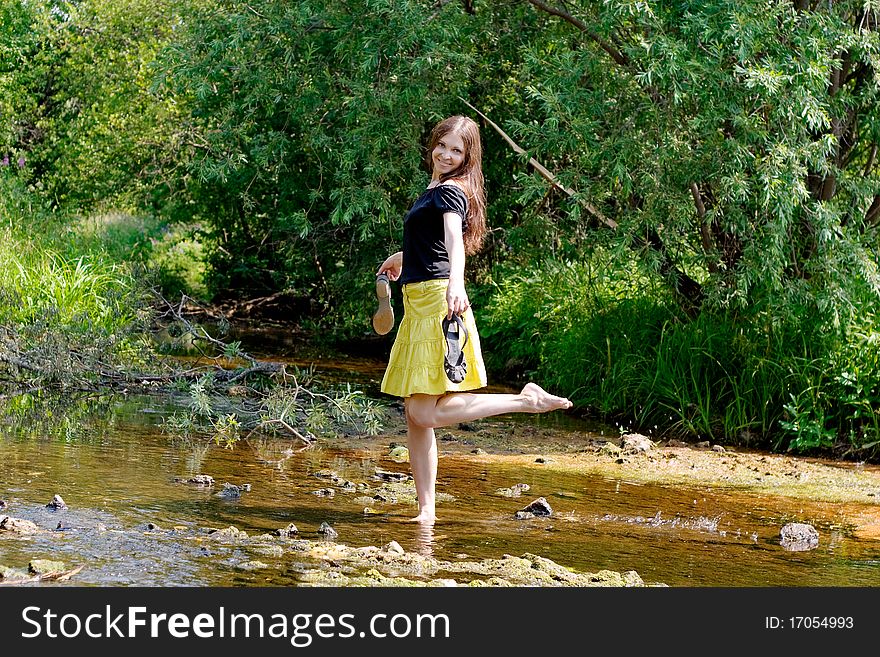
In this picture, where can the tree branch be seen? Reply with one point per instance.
(705, 234)
(616, 55)
(688, 289)
(871, 158)
(540, 168)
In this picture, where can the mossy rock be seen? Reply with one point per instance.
(43, 566)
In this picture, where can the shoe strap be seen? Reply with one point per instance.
(462, 329)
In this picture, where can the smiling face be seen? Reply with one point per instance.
(448, 154)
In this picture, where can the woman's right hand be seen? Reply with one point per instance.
(393, 266)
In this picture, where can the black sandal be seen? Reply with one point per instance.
(454, 362)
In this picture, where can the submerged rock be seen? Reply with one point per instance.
(288, 531)
(514, 491)
(231, 491)
(386, 475)
(197, 480)
(227, 534)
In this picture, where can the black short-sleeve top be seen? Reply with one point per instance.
(424, 244)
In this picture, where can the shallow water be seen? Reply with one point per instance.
(130, 523)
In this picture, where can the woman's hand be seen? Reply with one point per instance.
(456, 298)
(393, 266)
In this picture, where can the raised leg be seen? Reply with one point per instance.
(433, 411)
(424, 413)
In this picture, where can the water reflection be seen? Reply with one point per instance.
(424, 539)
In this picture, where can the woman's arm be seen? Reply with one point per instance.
(393, 266)
(456, 297)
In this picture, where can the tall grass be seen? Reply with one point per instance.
(620, 349)
(63, 309)
(40, 285)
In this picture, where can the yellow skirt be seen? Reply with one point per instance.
(416, 361)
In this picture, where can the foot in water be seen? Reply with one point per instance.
(383, 318)
(541, 401)
(424, 518)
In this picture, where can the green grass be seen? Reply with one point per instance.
(619, 348)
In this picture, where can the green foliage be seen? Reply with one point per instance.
(63, 317)
(74, 85)
(280, 410)
(305, 131)
(619, 353)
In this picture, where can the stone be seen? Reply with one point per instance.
(394, 548)
(230, 491)
(327, 531)
(288, 531)
(399, 454)
(17, 526)
(43, 566)
(636, 442)
(798, 537)
(386, 475)
(227, 533)
(56, 503)
(197, 480)
(540, 507)
(610, 449)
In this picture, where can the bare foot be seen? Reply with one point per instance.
(541, 401)
(424, 518)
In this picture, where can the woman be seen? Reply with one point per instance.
(446, 223)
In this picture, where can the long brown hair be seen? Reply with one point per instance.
(469, 175)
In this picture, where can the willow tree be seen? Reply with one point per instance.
(734, 141)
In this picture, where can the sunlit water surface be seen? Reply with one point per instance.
(129, 521)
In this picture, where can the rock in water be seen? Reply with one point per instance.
(798, 537)
(327, 531)
(56, 503)
(539, 507)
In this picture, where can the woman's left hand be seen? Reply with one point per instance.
(456, 299)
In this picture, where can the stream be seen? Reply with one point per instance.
(133, 521)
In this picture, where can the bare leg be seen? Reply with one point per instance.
(432, 411)
(422, 445)
(424, 413)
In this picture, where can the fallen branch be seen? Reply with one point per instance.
(56, 575)
(284, 424)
